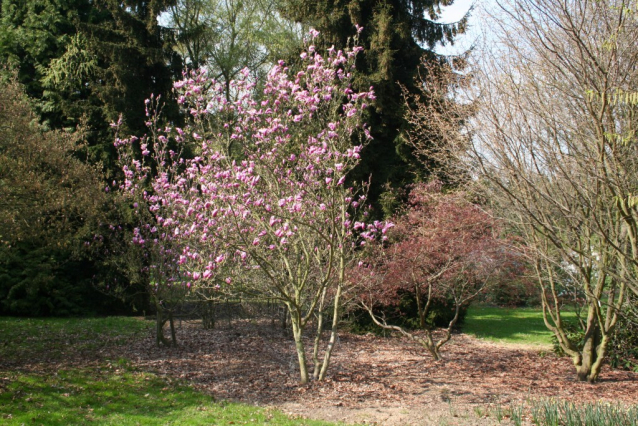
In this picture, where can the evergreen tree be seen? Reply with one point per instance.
(396, 35)
(50, 206)
(89, 61)
(82, 63)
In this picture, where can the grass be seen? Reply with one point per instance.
(116, 394)
(113, 393)
(503, 325)
(24, 338)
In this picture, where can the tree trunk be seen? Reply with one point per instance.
(172, 326)
(315, 350)
(333, 334)
(428, 343)
(297, 332)
(161, 318)
(592, 355)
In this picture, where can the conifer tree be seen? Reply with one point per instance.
(89, 61)
(82, 63)
(396, 35)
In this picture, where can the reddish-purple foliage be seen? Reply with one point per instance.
(441, 247)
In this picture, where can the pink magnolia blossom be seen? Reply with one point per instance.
(287, 192)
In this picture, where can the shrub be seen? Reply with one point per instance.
(406, 315)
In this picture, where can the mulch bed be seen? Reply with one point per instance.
(256, 363)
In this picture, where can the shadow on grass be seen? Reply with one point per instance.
(33, 339)
(117, 395)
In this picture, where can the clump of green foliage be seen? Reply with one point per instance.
(553, 412)
(623, 345)
(405, 314)
(51, 203)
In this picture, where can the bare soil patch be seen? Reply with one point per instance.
(372, 379)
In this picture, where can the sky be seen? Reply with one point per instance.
(449, 14)
(454, 13)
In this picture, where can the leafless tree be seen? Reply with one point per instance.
(553, 142)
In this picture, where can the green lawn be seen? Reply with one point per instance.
(517, 325)
(24, 338)
(116, 394)
(103, 392)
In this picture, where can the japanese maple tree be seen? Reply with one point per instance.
(442, 248)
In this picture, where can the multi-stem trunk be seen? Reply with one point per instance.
(598, 325)
(297, 332)
(333, 333)
(588, 361)
(161, 318)
(319, 332)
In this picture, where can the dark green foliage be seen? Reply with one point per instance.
(45, 281)
(82, 63)
(50, 207)
(396, 35)
(406, 315)
(30, 283)
(623, 345)
(87, 61)
(514, 292)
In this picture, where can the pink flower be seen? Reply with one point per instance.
(387, 226)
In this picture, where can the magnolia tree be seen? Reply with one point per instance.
(443, 248)
(266, 195)
(153, 256)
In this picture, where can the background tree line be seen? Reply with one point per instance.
(539, 131)
(82, 64)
